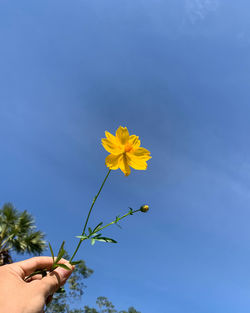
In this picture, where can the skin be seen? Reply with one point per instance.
(19, 296)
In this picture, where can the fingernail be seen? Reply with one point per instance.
(64, 274)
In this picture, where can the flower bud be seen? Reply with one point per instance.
(144, 208)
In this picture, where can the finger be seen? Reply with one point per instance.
(31, 265)
(54, 280)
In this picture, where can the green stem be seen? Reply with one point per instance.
(84, 228)
(131, 212)
(118, 219)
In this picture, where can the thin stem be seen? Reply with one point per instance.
(131, 212)
(118, 219)
(87, 219)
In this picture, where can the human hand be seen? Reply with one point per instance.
(20, 296)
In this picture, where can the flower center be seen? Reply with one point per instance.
(127, 147)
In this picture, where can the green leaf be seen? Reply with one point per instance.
(52, 253)
(117, 219)
(41, 272)
(130, 211)
(60, 253)
(75, 262)
(93, 241)
(63, 266)
(104, 239)
(82, 237)
(97, 227)
(90, 230)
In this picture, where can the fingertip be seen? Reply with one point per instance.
(64, 273)
(55, 279)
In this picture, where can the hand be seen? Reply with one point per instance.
(19, 296)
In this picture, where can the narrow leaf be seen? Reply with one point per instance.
(105, 239)
(52, 253)
(92, 241)
(60, 253)
(82, 237)
(75, 262)
(97, 227)
(63, 266)
(41, 272)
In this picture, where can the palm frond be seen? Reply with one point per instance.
(18, 231)
(34, 242)
(25, 222)
(9, 213)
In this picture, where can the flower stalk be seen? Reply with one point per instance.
(90, 210)
(131, 212)
(125, 152)
(93, 234)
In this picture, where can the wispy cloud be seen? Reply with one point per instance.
(198, 9)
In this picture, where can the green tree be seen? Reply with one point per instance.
(105, 306)
(18, 233)
(131, 310)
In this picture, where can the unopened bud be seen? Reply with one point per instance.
(144, 208)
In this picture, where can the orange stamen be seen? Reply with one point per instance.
(128, 148)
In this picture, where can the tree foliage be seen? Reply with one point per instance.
(105, 306)
(18, 233)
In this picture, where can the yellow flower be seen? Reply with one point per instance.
(125, 151)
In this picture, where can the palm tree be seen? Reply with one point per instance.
(18, 233)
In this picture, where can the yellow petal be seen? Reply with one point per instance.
(112, 161)
(110, 137)
(111, 146)
(141, 153)
(123, 165)
(122, 134)
(136, 163)
(134, 141)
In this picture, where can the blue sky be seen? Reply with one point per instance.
(176, 73)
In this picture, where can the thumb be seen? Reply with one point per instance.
(54, 280)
